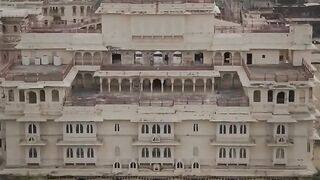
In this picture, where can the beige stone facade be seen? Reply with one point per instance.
(164, 90)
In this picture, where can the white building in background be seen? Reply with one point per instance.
(165, 90)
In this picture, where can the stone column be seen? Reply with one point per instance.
(162, 85)
(141, 85)
(130, 80)
(119, 82)
(109, 89)
(212, 86)
(172, 81)
(205, 85)
(151, 84)
(194, 85)
(182, 85)
(101, 82)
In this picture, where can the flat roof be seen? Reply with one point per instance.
(34, 73)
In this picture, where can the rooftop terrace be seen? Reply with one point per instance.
(278, 72)
(33, 73)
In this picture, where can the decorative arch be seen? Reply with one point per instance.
(87, 58)
(188, 85)
(97, 58)
(125, 85)
(156, 85)
(114, 85)
(78, 58)
(177, 85)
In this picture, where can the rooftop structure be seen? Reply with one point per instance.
(164, 90)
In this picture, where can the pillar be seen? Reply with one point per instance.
(119, 80)
(212, 85)
(151, 84)
(109, 89)
(162, 81)
(204, 85)
(182, 85)
(194, 85)
(130, 80)
(101, 88)
(82, 58)
(172, 81)
(141, 85)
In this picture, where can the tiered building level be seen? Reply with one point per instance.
(165, 90)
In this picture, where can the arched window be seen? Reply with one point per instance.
(42, 95)
(256, 96)
(32, 129)
(117, 151)
(10, 95)
(90, 153)
(195, 165)
(156, 153)
(222, 153)
(69, 128)
(145, 153)
(227, 56)
(232, 153)
(167, 129)
(117, 165)
(33, 153)
(21, 96)
(55, 95)
(243, 153)
(156, 129)
(270, 96)
(223, 129)
(79, 128)
(243, 129)
(133, 165)
(32, 97)
(280, 154)
(232, 129)
(69, 153)
(89, 128)
(280, 98)
(291, 96)
(179, 165)
(80, 153)
(145, 129)
(167, 153)
(281, 129)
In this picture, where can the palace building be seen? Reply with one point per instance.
(164, 89)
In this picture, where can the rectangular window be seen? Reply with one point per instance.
(195, 127)
(45, 11)
(21, 96)
(116, 127)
